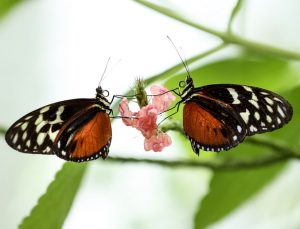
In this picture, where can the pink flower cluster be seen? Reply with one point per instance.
(145, 119)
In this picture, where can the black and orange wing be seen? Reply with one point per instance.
(218, 117)
(86, 136)
(211, 125)
(36, 131)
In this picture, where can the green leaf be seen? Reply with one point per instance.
(7, 5)
(53, 207)
(229, 189)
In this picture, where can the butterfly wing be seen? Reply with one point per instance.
(211, 125)
(86, 136)
(36, 131)
(218, 117)
(261, 110)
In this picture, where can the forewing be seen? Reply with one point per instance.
(261, 110)
(36, 131)
(211, 125)
(86, 136)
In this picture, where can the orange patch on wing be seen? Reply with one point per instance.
(92, 136)
(204, 128)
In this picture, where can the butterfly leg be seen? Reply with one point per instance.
(177, 109)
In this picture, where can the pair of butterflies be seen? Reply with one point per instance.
(215, 118)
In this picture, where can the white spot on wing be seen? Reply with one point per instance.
(39, 119)
(269, 119)
(18, 124)
(245, 115)
(234, 95)
(48, 149)
(24, 126)
(44, 109)
(234, 138)
(269, 109)
(28, 117)
(253, 128)
(28, 143)
(58, 114)
(254, 103)
(269, 101)
(15, 139)
(262, 124)
(280, 112)
(24, 136)
(52, 135)
(256, 115)
(248, 88)
(40, 125)
(254, 97)
(40, 138)
(239, 128)
(278, 120)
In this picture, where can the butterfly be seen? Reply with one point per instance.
(75, 130)
(218, 117)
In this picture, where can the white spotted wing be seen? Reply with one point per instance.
(261, 110)
(36, 132)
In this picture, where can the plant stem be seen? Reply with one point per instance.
(233, 14)
(226, 37)
(214, 165)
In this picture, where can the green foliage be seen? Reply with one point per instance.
(7, 5)
(228, 190)
(54, 206)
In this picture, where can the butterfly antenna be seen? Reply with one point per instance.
(112, 68)
(184, 62)
(104, 71)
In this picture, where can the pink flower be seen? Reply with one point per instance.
(164, 98)
(146, 120)
(157, 143)
(126, 113)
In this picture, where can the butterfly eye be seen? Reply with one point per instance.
(105, 93)
(182, 84)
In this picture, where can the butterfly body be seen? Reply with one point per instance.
(219, 117)
(75, 130)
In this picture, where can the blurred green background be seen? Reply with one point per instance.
(57, 50)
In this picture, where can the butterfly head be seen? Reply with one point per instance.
(101, 96)
(188, 86)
